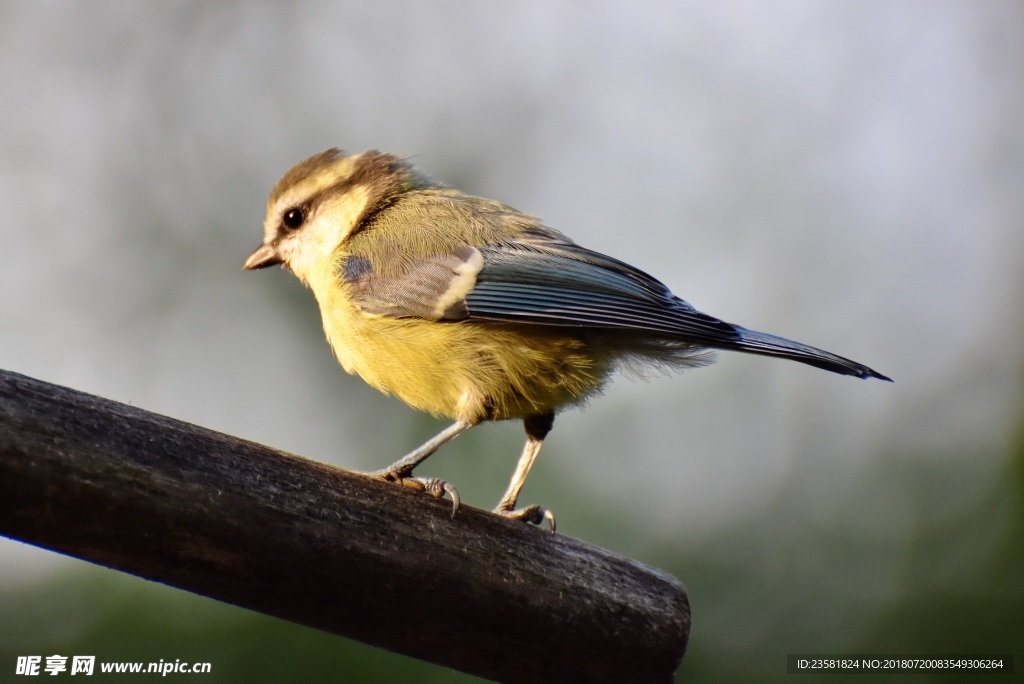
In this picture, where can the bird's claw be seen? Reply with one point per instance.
(534, 515)
(436, 487)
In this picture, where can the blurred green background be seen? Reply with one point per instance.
(850, 175)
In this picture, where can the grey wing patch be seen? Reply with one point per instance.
(432, 288)
(567, 285)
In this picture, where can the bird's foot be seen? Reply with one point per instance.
(534, 515)
(431, 485)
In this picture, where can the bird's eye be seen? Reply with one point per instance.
(293, 218)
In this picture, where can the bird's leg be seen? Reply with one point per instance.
(537, 428)
(400, 472)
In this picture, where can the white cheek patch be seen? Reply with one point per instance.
(308, 252)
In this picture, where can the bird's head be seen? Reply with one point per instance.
(322, 201)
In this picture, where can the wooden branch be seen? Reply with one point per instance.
(311, 543)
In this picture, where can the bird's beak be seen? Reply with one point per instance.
(264, 256)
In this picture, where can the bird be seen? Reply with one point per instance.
(466, 308)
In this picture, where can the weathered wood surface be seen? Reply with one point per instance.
(324, 547)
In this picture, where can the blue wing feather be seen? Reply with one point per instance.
(544, 279)
(559, 283)
(568, 285)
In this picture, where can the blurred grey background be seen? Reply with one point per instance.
(850, 175)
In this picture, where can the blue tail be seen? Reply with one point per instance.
(754, 342)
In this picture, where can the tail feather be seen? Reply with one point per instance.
(754, 342)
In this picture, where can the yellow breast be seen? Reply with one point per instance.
(463, 370)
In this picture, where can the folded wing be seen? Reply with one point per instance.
(554, 282)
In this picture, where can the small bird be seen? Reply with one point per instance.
(467, 308)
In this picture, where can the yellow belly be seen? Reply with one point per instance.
(466, 371)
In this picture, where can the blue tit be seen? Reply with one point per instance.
(466, 308)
